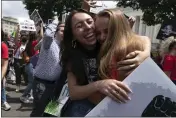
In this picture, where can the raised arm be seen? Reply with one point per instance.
(87, 4)
(112, 88)
(41, 32)
(17, 35)
(49, 34)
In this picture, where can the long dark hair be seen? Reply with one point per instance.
(32, 37)
(70, 58)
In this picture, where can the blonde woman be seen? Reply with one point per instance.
(119, 42)
(168, 52)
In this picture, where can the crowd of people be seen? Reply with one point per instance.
(94, 53)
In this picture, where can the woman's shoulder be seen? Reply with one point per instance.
(143, 37)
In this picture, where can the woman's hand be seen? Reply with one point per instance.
(132, 21)
(87, 4)
(133, 60)
(114, 89)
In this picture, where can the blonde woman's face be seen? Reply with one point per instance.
(101, 25)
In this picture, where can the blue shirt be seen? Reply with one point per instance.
(48, 65)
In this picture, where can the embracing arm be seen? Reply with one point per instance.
(134, 59)
(109, 87)
(77, 91)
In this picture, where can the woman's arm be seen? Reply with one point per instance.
(80, 92)
(17, 35)
(112, 88)
(87, 4)
(49, 34)
(4, 67)
(135, 58)
(41, 32)
(38, 46)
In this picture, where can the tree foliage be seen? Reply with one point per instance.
(155, 11)
(47, 8)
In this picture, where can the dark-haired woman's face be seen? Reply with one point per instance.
(83, 29)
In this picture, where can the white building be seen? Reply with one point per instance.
(141, 28)
(9, 24)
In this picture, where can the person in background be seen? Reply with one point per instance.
(28, 53)
(4, 64)
(168, 52)
(47, 70)
(20, 43)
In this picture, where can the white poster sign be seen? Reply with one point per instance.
(154, 95)
(26, 25)
(64, 92)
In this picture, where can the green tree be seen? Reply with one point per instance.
(155, 11)
(47, 8)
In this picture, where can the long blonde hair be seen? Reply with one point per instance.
(120, 41)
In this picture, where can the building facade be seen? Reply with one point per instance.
(9, 24)
(143, 29)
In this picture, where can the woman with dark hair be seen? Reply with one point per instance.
(79, 53)
(20, 43)
(29, 67)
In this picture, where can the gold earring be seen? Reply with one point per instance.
(74, 43)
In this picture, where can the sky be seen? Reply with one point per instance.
(17, 8)
(14, 9)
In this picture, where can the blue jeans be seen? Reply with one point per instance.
(29, 70)
(3, 94)
(77, 108)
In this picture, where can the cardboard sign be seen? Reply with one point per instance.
(168, 28)
(154, 95)
(36, 18)
(26, 25)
